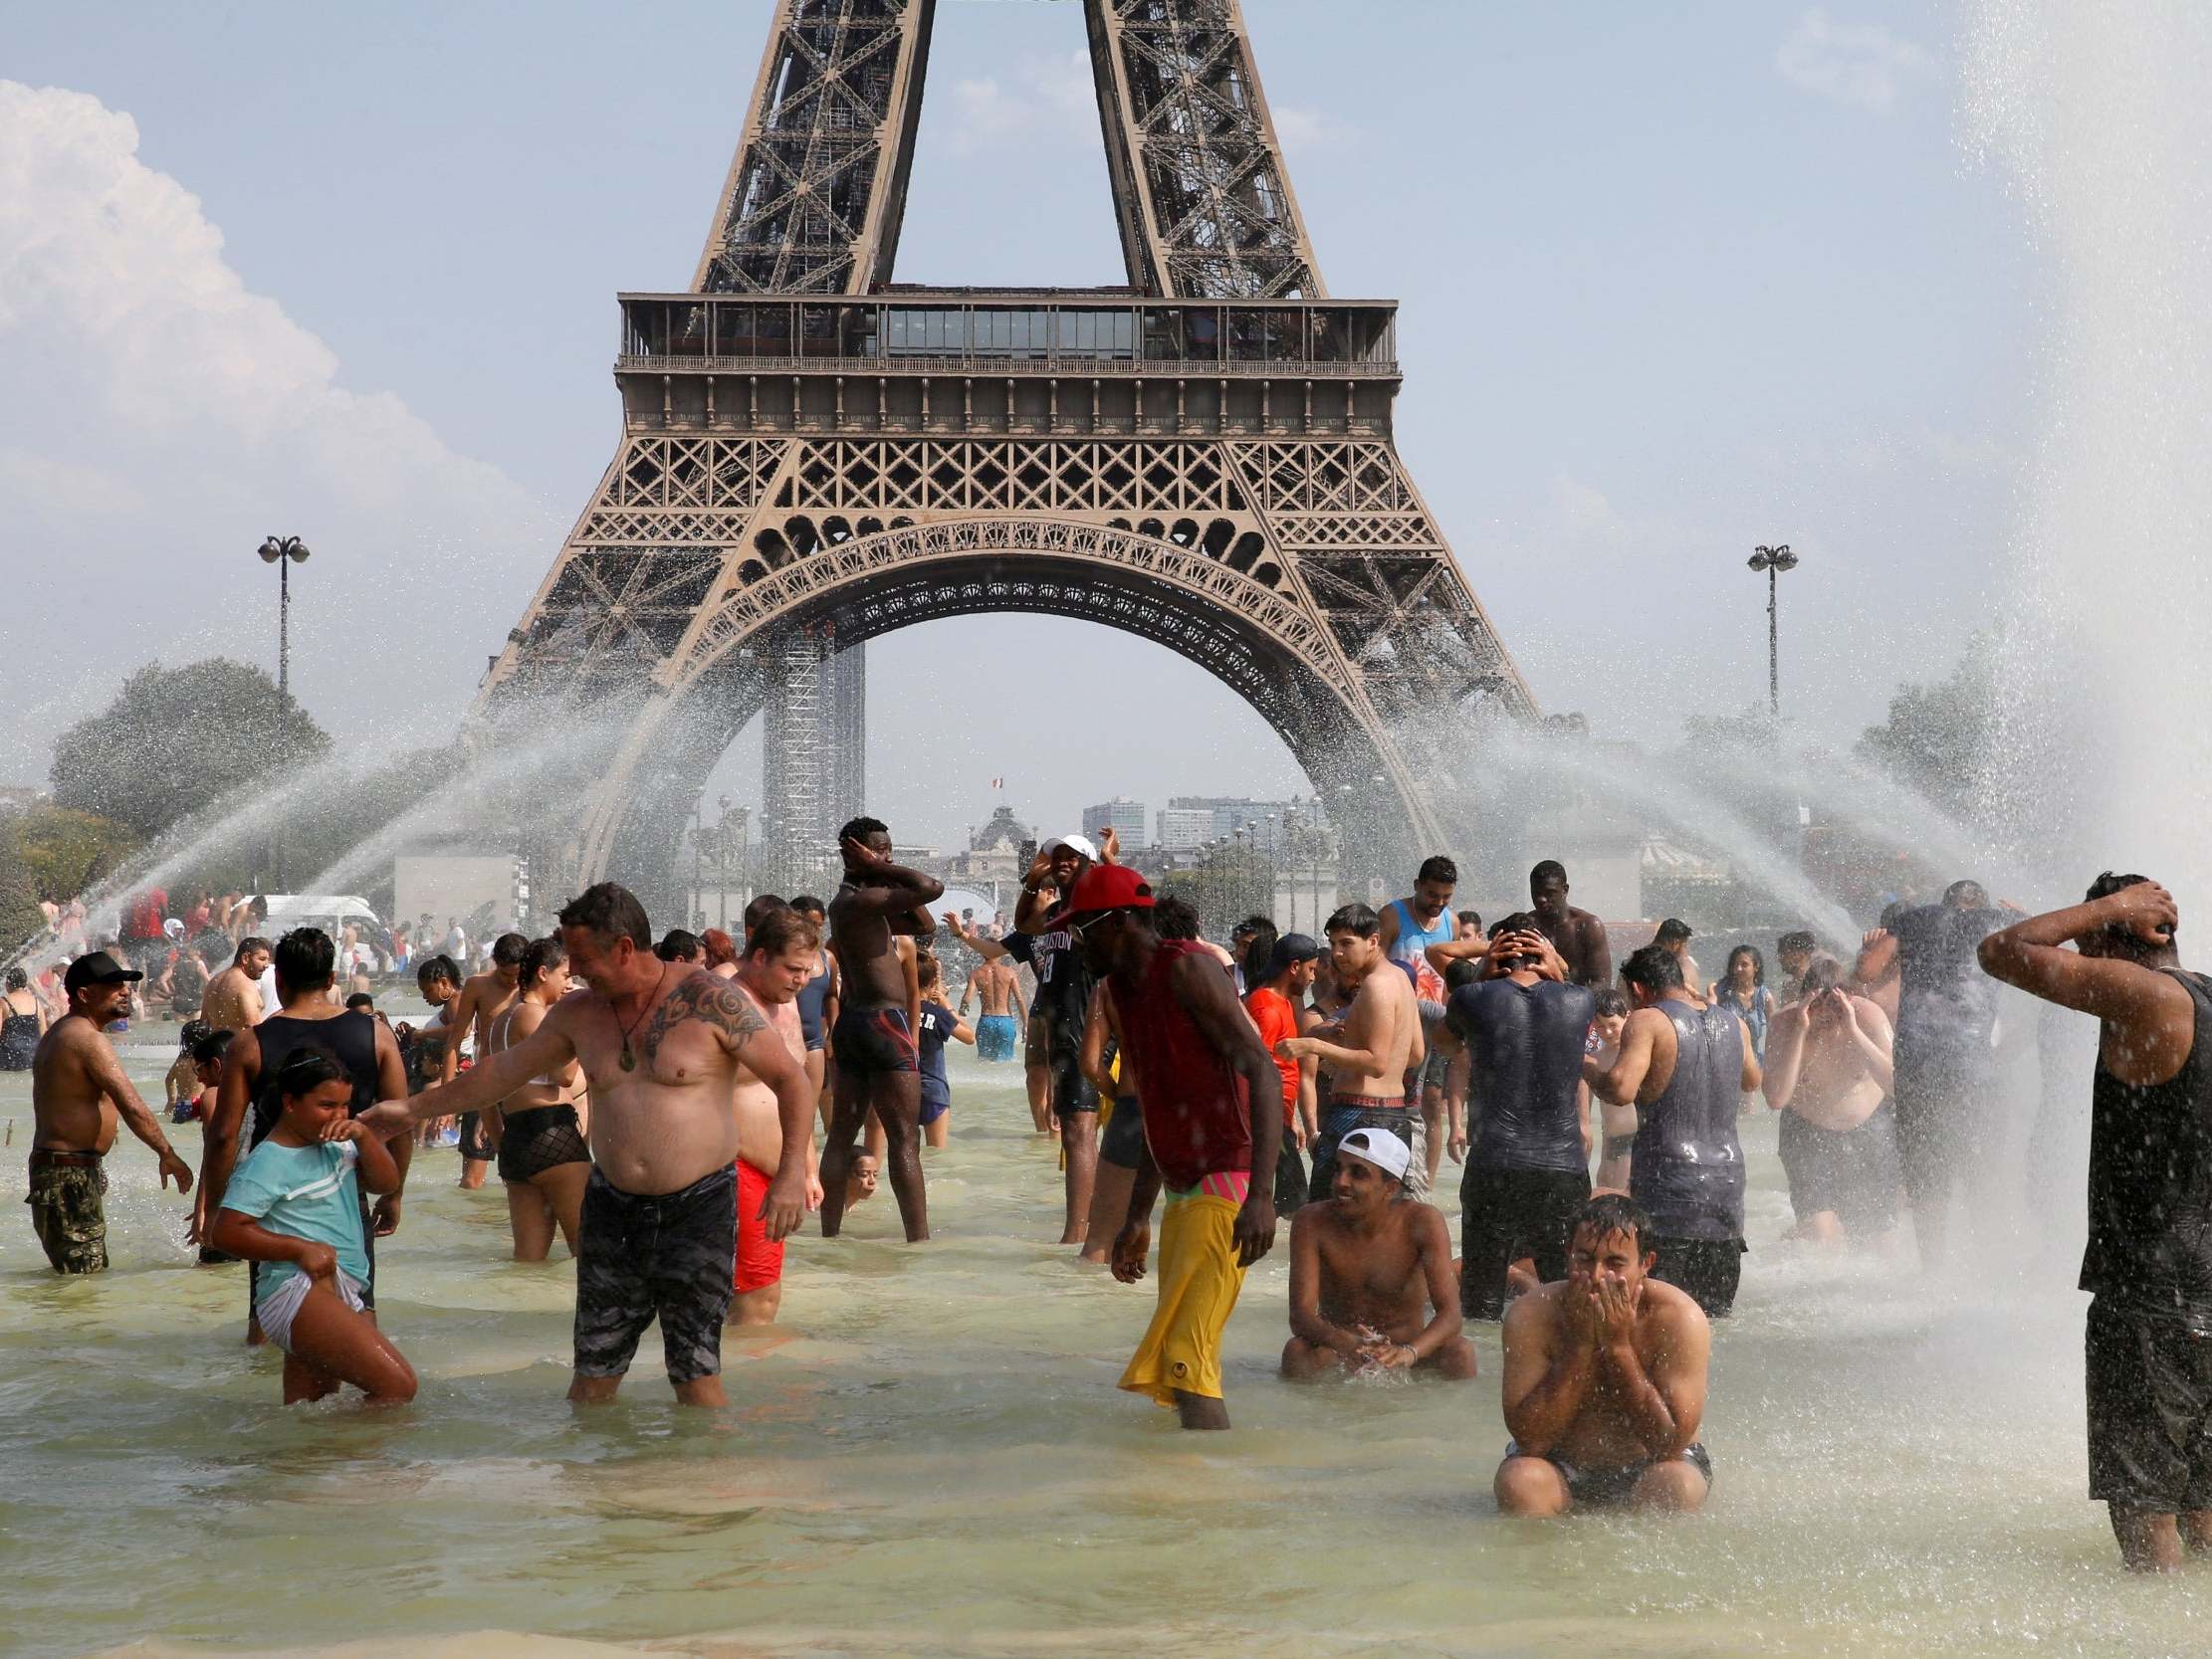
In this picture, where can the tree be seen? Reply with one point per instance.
(21, 919)
(65, 852)
(1937, 738)
(175, 740)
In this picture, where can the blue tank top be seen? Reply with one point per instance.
(1413, 938)
(1687, 1168)
(812, 996)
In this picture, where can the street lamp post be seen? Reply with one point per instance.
(1774, 560)
(283, 551)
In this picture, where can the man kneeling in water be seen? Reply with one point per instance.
(1370, 1280)
(1605, 1379)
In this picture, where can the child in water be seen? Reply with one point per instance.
(295, 1204)
(939, 1026)
(182, 1085)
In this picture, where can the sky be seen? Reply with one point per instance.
(1674, 281)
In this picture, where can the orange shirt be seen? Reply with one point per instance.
(1276, 1019)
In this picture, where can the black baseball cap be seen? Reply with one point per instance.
(1289, 949)
(98, 969)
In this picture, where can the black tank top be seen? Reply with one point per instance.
(1688, 1166)
(1524, 1043)
(2151, 1182)
(19, 1040)
(350, 1038)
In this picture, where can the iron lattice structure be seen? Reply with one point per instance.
(812, 457)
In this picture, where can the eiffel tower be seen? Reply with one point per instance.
(814, 456)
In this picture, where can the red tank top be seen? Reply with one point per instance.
(1198, 1117)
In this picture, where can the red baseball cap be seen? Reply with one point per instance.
(1104, 887)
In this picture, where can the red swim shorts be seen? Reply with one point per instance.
(760, 1263)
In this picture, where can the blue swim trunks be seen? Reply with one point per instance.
(995, 1037)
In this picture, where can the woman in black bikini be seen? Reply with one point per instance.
(544, 1158)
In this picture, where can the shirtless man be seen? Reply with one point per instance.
(1829, 1066)
(878, 1067)
(780, 955)
(660, 1048)
(484, 997)
(1605, 1380)
(78, 1093)
(996, 988)
(233, 1000)
(1575, 934)
(1371, 1282)
(1369, 1054)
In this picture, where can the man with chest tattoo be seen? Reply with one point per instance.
(661, 1047)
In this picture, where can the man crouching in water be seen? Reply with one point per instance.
(1605, 1379)
(1367, 1267)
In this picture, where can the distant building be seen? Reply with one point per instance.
(1125, 818)
(1269, 823)
(995, 856)
(1183, 829)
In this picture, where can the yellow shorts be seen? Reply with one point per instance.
(1199, 1278)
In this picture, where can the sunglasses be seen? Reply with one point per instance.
(1076, 929)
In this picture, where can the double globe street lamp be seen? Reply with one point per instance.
(1773, 560)
(283, 551)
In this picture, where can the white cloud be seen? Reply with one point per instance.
(1304, 131)
(1863, 66)
(163, 419)
(1052, 102)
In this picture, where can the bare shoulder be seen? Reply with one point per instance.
(1532, 1316)
(711, 1001)
(1426, 1224)
(1670, 1317)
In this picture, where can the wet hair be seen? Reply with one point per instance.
(1354, 919)
(188, 1034)
(2122, 938)
(1674, 931)
(307, 1071)
(1464, 972)
(1437, 869)
(677, 944)
(250, 943)
(719, 947)
(17, 981)
(780, 930)
(1172, 918)
(1653, 968)
(507, 948)
(1520, 922)
(928, 970)
(211, 1048)
(1966, 895)
(764, 904)
(435, 969)
(1260, 936)
(1823, 974)
(1804, 941)
(540, 955)
(611, 911)
(859, 829)
(1608, 1213)
(360, 1002)
(1892, 913)
(1473, 919)
(1758, 963)
(807, 902)
(305, 959)
(1610, 1003)
(1545, 872)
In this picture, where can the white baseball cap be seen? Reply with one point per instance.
(1075, 843)
(1379, 1148)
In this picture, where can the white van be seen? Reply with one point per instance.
(328, 911)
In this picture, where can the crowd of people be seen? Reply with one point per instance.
(654, 1104)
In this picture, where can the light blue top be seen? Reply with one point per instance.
(307, 1193)
(1413, 938)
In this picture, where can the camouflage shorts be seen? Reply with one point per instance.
(67, 1214)
(668, 1255)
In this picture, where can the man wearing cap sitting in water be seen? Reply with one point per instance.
(1605, 1379)
(78, 1091)
(1209, 1097)
(1371, 1282)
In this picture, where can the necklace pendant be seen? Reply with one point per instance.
(629, 1060)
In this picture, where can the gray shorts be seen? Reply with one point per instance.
(671, 1256)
